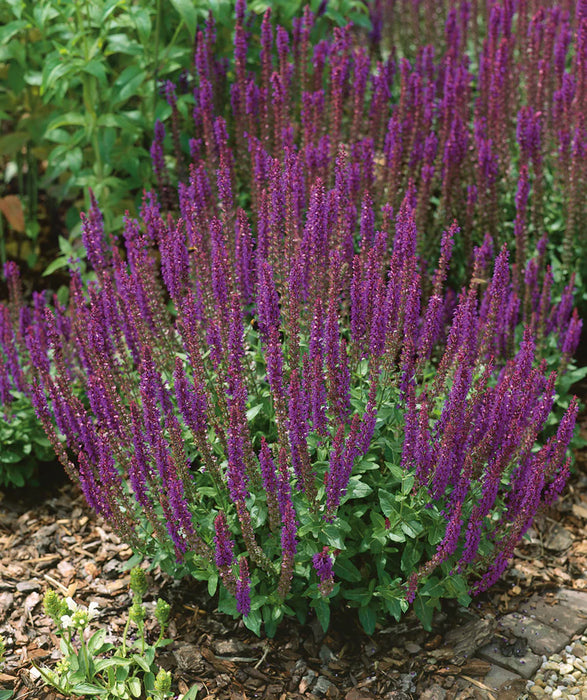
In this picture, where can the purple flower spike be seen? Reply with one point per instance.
(243, 594)
(224, 555)
(323, 565)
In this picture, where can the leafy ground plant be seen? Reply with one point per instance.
(91, 666)
(4, 694)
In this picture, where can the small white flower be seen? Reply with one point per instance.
(80, 616)
(66, 621)
(71, 604)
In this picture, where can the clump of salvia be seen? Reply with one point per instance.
(270, 379)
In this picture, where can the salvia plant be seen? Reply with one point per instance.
(488, 120)
(270, 381)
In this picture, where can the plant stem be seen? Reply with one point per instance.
(156, 69)
(124, 635)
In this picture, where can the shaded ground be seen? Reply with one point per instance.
(49, 538)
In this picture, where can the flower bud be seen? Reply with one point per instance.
(162, 612)
(163, 682)
(138, 582)
(54, 606)
(137, 613)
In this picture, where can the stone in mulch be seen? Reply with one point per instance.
(525, 666)
(567, 615)
(542, 639)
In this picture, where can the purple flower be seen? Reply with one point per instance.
(323, 566)
(243, 595)
(224, 553)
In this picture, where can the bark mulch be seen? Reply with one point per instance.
(49, 538)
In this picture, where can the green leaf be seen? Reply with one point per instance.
(192, 693)
(357, 488)
(134, 685)
(186, 10)
(412, 528)
(96, 641)
(254, 411)
(57, 264)
(96, 68)
(140, 661)
(253, 621)
(424, 609)
(407, 484)
(346, 570)
(333, 536)
(10, 29)
(322, 607)
(212, 584)
(110, 663)
(108, 9)
(128, 81)
(88, 689)
(122, 672)
(368, 618)
(7, 694)
(387, 503)
(142, 20)
(10, 457)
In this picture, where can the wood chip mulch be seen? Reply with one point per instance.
(49, 538)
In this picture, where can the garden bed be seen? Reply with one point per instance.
(51, 539)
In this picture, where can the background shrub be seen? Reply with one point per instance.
(81, 89)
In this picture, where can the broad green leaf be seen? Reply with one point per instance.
(387, 503)
(10, 29)
(322, 608)
(334, 536)
(407, 484)
(345, 569)
(108, 9)
(212, 584)
(88, 689)
(254, 411)
(140, 661)
(412, 528)
(9, 457)
(134, 685)
(424, 609)
(127, 83)
(186, 10)
(96, 641)
(96, 68)
(192, 693)
(142, 20)
(253, 621)
(121, 43)
(368, 619)
(357, 488)
(68, 119)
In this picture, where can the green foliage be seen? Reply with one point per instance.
(4, 694)
(97, 667)
(23, 444)
(80, 88)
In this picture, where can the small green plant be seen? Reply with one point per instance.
(23, 443)
(96, 667)
(4, 694)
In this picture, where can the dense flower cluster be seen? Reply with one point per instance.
(237, 360)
